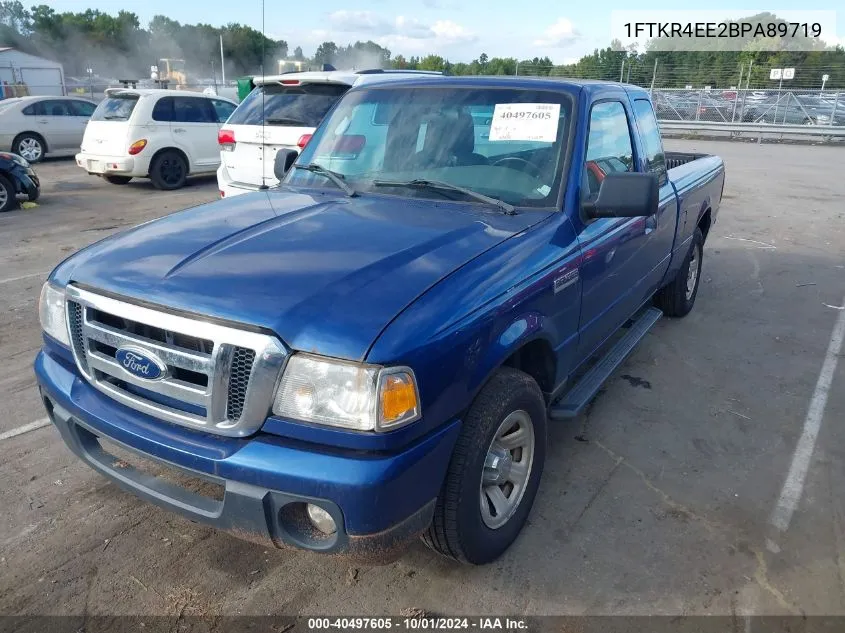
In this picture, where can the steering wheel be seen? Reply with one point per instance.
(521, 165)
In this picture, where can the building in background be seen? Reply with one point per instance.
(22, 74)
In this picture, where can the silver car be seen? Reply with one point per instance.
(36, 126)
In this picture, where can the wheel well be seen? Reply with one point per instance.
(36, 135)
(172, 149)
(537, 359)
(704, 224)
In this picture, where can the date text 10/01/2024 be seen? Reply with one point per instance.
(419, 623)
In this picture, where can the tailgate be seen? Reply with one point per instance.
(275, 116)
(105, 138)
(252, 159)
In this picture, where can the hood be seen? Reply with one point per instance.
(325, 273)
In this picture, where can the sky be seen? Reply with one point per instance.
(459, 30)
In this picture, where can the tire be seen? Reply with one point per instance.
(678, 298)
(118, 180)
(8, 201)
(30, 146)
(459, 530)
(168, 171)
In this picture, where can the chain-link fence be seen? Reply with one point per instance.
(813, 96)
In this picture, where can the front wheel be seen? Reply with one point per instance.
(677, 298)
(494, 471)
(8, 201)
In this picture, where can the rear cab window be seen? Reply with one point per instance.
(302, 105)
(650, 134)
(117, 107)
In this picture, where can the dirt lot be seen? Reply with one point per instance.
(659, 501)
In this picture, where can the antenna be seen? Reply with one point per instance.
(263, 87)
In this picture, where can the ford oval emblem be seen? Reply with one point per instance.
(140, 363)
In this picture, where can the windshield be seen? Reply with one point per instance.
(115, 108)
(503, 143)
(296, 106)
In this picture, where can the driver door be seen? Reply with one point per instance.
(616, 255)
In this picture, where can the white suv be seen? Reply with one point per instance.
(281, 113)
(163, 135)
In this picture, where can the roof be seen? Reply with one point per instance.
(29, 98)
(565, 84)
(162, 92)
(349, 77)
(7, 51)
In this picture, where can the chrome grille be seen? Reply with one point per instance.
(239, 374)
(218, 378)
(74, 316)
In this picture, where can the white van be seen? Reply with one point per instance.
(163, 135)
(281, 113)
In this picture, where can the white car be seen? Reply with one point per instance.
(34, 127)
(163, 135)
(281, 113)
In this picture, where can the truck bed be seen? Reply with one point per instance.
(676, 159)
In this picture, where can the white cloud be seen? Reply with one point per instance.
(401, 34)
(449, 31)
(559, 35)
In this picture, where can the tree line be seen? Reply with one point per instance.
(119, 44)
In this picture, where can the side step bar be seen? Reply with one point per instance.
(574, 401)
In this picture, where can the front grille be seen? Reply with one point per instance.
(74, 316)
(211, 379)
(241, 369)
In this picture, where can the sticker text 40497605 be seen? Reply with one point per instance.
(525, 122)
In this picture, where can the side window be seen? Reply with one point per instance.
(223, 110)
(192, 110)
(34, 109)
(650, 133)
(163, 109)
(57, 107)
(82, 108)
(609, 146)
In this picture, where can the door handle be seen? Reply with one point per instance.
(43, 120)
(179, 130)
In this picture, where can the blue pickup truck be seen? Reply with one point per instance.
(372, 351)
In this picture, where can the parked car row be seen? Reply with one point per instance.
(759, 106)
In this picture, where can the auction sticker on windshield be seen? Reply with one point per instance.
(525, 122)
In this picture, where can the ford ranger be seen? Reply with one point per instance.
(372, 350)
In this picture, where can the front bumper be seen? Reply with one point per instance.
(102, 165)
(380, 502)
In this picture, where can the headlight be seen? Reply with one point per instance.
(51, 313)
(349, 395)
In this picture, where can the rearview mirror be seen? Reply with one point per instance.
(624, 194)
(284, 161)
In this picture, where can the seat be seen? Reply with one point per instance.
(450, 141)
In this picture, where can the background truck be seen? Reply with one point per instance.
(372, 350)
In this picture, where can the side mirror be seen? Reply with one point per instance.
(625, 194)
(284, 160)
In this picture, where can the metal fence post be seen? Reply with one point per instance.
(736, 94)
(833, 112)
(698, 107)
(653, 77)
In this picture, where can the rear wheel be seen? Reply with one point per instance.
(494, 471)
(677, 299)
(118, 180)
(8, 201)
(168, 171)
(29, 146)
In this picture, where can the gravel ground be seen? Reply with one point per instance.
(661, 506)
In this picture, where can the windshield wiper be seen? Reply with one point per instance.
(422, 183)
(335, 177)
(282, 120)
